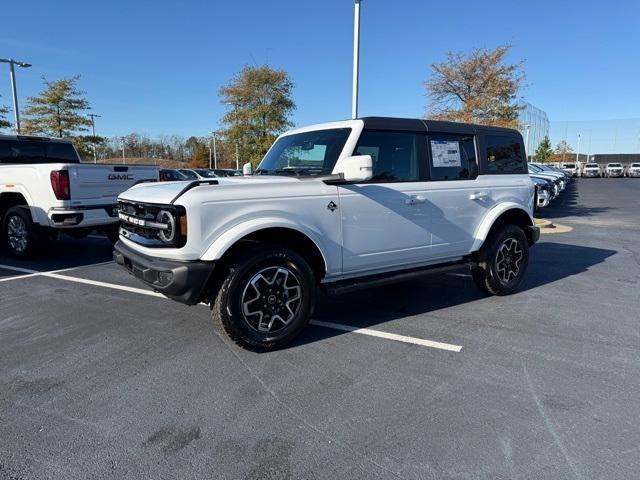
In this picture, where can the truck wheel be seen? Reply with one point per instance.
(20, 233)
(502, 261)
(113, 234)
(266, 298)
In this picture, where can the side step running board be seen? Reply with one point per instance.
(345, 286)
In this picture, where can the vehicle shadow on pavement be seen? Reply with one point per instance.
(64, 253)
(549, 262)
(568, 205)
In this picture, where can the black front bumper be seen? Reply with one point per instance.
(180, 281)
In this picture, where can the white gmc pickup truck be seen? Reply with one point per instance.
(335, 206)
(45, 191)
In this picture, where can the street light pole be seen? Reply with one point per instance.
(93, 133)
(526, 142)
(122, 139)
(578, 150)
(237, 158)
(14, 88)
(356, 59)
(215, 153)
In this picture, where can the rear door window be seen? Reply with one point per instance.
(503, 155)
(25, 152)
(453, 157)
(21, 152)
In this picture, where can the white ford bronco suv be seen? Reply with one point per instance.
(45, 191)
(337, 206)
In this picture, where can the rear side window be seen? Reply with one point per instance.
(504, 154)
(25, 152)
(453, 157)
(394, 155)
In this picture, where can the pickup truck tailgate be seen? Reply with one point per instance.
(102, 183)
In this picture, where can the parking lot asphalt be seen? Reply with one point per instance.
(98, 381)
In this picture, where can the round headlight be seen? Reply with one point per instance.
(165, 217)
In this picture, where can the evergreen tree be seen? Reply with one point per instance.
(57, 110)
(544, 151)
(4, 123)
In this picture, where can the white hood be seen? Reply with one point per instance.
(165, 192)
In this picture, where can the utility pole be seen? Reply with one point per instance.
(356, 59)
(93, 133)
(122, 139)
(237, 158)
(14, 88)
(578, 149)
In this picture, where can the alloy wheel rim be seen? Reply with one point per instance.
(17, 234)
(509, 260)
(271, 299)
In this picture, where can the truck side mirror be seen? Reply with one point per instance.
(247, 170)
(358, 168)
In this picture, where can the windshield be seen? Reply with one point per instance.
(307, 153)
(569, 165)
(615, 165)
(206, 173)
(591, 165)
(535, 168)
(189, 174)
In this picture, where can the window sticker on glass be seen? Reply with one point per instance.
(445, 154)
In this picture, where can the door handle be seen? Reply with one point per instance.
(478, 196)
(415, 199)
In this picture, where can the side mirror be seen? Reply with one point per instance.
(247, 170)
(358, 168)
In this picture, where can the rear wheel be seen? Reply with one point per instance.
(502, 261)
(266, 298)
(20, 233)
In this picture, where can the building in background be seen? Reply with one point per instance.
(534, 126)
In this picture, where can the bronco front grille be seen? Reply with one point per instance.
(140, 223)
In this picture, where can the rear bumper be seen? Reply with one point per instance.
(180, 281)
(94, 216)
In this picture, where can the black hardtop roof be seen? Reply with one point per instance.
(420, 125)
(34, 138)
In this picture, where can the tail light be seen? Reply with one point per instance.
(60, 184)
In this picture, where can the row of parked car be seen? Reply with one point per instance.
(610, 170)
(177, 174)
(550, 182)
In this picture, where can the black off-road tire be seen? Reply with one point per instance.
(487, 274)
(113, 234)
(20, 217)
(227, 304)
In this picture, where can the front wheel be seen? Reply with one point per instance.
(502, 261)
(266, 298)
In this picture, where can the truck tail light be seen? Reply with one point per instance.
(60, 184)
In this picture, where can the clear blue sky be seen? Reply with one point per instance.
(156, 67)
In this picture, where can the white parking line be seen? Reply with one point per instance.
(336, 326)
(388, 336)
